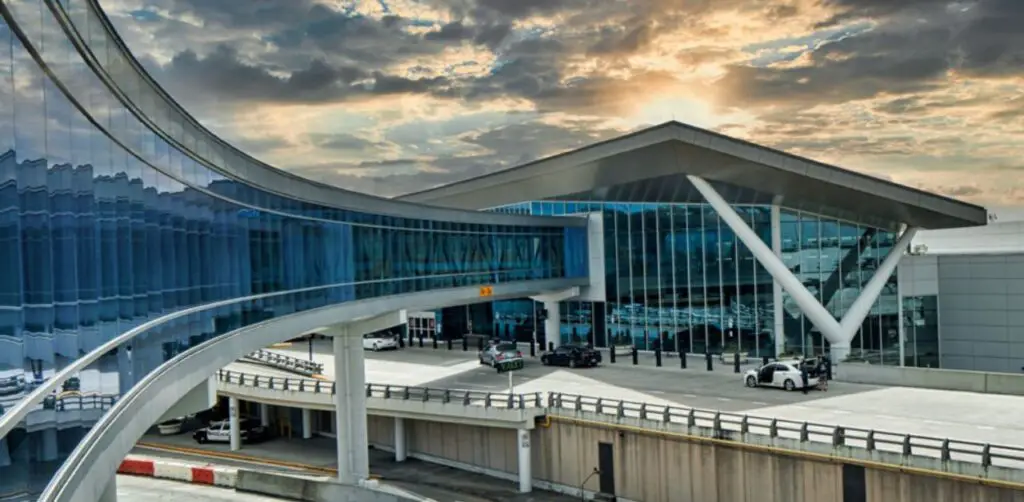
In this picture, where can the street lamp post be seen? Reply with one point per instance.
(583, 493)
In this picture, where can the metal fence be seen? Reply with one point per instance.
(288, 363)
(710, 423)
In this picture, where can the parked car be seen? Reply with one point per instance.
(499, 352)
(250, 431)
(572, 356)
(13, 386)
(171, 427)
(380, 341)
(781, 374)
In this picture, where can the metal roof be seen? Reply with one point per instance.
(651, 166)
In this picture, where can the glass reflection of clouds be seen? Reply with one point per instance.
(117, 208)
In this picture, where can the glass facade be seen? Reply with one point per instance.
(921, 331)
(116, 208)
(677, 276)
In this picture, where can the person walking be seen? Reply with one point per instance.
(804, 376)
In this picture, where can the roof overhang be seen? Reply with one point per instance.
(651, 166)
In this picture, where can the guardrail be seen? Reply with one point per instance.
(288, 363)
(710, 423)
(76, 402)
(464, 397)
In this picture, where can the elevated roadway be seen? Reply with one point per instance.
(960, 415)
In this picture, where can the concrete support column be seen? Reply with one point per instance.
(110, 493)
(307, 423)
(265, 414)
(235, 431)
(525, 462)
(778, 301)
(401, 449)
(341, 398)
(553, 324)
(350, 402)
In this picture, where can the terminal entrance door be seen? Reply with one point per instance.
(606, 466)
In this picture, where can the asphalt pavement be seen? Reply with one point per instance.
(719, 389)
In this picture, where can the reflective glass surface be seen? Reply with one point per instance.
(116, 209)
(921, 331)
(834, 260)
(677, 276)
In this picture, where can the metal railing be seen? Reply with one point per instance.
(287, 363)
(424, 394)
(710, 423)
(737, 426)
(76, 401)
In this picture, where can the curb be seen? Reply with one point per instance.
(175, 470)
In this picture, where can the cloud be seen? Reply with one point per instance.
(400, 95)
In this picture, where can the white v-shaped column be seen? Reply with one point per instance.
(838, 333)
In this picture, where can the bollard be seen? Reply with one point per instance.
(682, 359)
(480, 343)
(465, 343)
(828, 369)
(611, 353)
(551, 346)
(533, 348)
(707, 358)
(634, 356)
(410, 339)
(736, 362)
(434, 341)
(449, 344)
(657, 357)
(421, 341)
(764, 360)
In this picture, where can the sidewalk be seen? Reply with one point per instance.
(316, 456)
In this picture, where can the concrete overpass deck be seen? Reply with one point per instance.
(983, 418)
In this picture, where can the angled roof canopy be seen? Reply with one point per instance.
(651, 166)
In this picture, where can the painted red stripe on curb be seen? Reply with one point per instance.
(202, 475)
(137, 467)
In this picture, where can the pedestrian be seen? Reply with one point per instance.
(804, 377)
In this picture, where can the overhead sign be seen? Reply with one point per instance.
(486, 290)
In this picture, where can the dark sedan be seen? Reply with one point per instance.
(572, 356)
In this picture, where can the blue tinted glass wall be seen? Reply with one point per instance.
(107, 221)
(675, 277)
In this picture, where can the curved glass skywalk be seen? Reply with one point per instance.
(117, 207)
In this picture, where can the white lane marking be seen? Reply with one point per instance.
(985, 427)
(724, 399)
(690, 395)
(656, 391)
(759, 403)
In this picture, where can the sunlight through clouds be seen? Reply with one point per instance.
(423, 92)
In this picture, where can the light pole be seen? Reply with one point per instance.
(583, 493)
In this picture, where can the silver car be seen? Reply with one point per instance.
(500, 352)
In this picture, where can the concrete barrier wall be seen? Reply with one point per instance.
(892, 486)
(930, 378)
(487, 447)
(662, 465)
(309, 489)
(656, 468)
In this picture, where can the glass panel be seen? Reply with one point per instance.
(118, 208)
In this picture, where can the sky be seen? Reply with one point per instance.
(396, 96)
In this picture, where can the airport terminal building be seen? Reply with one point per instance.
(676, 273)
